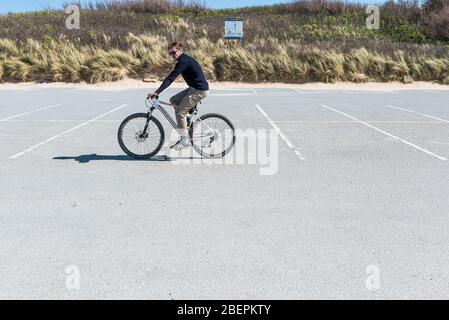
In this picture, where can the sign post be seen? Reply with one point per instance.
(234, 29)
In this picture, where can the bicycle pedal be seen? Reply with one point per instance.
(179, 146)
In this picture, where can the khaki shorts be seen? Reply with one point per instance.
(185, 101)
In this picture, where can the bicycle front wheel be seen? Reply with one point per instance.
(212, 135)
(141, 136)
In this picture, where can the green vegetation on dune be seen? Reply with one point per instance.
(311, 40)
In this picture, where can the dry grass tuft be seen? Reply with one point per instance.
(111, 65)
(264, 61)
(8, 48)
(1, 72)
(325, 66)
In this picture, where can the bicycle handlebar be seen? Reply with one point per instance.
(150, 100)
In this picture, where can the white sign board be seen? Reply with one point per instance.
(233, 28)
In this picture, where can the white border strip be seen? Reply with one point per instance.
(283, 137)
(65, 132)
(387, 133)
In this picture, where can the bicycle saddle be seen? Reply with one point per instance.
(194, 110)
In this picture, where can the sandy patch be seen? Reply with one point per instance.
(132, 83)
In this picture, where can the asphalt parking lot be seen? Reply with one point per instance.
(349, 201)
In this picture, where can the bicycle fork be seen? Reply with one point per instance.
(144, 133)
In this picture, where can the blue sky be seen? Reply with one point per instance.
(29, 5)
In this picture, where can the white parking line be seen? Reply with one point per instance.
(390, 91)
(53, 120)
(283, 137)
(421, 114)
(232, 89)
(65, 132)
(352, 121)
(27, 90)
(297, 90)
(29, 112)
(343, 121)
(343, 91)
(386, 133)
(315, 91)
(122, 89)
(72, 90)
(434, 92)
(242, 121)
(230, 94)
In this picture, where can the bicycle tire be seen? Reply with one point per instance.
(131, 153)
(199, 149)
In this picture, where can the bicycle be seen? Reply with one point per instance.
(141, 135)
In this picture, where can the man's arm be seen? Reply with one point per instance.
(179, 68)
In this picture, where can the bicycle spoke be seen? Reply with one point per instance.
(134, 138)
(213, 136)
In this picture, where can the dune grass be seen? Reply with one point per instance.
(310, 40)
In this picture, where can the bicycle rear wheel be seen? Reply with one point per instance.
(141, 136)
(212, 135)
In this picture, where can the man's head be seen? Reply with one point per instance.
(175, 50)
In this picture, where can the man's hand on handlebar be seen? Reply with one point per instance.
(153, 95)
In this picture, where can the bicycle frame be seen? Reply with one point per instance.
(156, 104)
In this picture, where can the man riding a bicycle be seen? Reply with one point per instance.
(187, 99)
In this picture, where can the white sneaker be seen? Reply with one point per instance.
(182, 143)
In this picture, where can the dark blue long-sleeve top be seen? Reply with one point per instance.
(191, 72)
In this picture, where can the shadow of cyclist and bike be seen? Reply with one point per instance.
(86, 158)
